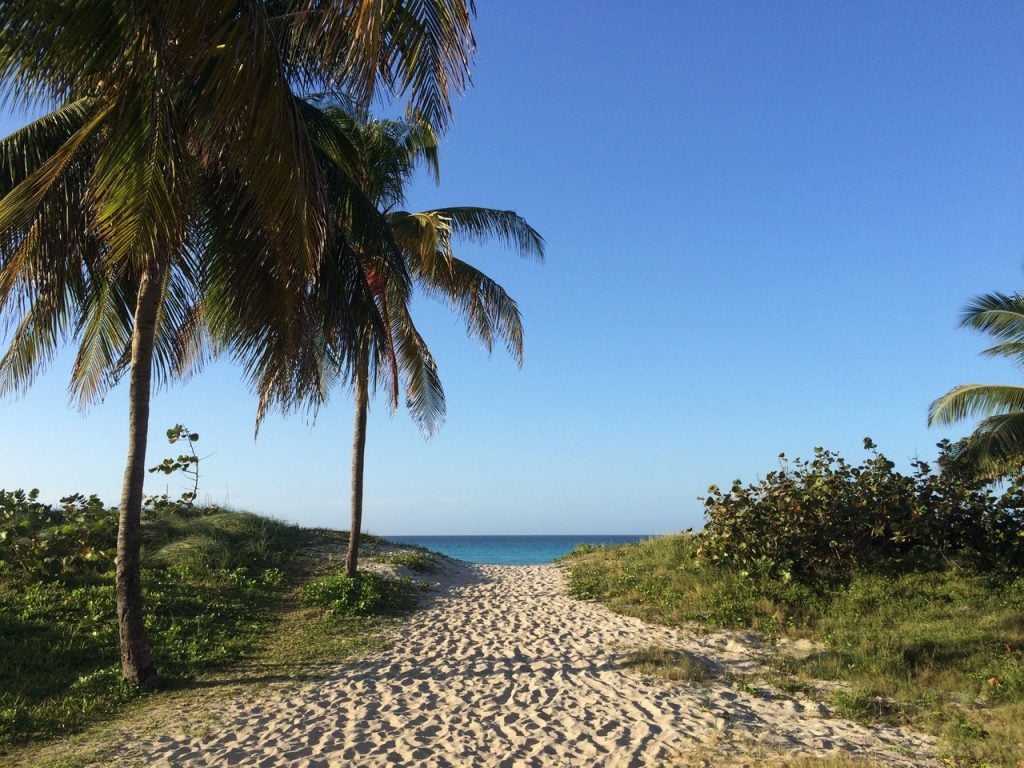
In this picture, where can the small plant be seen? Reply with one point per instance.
(363, 595)
(186, 463)
(580, 549)
(678, 666)
(419, 560)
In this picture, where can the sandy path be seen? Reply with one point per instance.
(503, 669)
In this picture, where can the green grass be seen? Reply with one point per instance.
(307, 638)
(829, 761)
(210, 583)
(221, 592)
(941, 651)
(662, 580)
(670, 664)
(702, 758)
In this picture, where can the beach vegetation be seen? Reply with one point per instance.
(671, 664)
(365, 594)
(894, 598)
(186, 463)
(940, 650)
(414, 558)
(69, 543)
(766, 758)
(823, 761)
(822, 520)
(222, 588)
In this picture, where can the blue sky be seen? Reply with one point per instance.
(762, 222)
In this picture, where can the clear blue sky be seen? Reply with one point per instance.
(762, 222)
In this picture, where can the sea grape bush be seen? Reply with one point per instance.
(73, 539)
(821, 520)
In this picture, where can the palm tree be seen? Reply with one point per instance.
(388, 347)
(488, 311)
(177, 129)
(996, 447)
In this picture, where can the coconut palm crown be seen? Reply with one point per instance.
(395, 357)
(996, 447)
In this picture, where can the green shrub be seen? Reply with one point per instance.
(820, 521)
(419, 560)
(37, 540)
(363, 595)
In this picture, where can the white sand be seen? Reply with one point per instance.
(504, 669)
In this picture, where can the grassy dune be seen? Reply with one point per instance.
(223, 591)
(940, 651)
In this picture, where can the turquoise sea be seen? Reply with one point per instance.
(509, 550)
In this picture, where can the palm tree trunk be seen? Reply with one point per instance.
(136, 660)
(358, 452)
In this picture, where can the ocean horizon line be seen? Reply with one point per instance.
(513, 549)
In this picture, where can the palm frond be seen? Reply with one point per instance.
(385, 369)
(486, 307)
(507, 227)
(431, 46)
(252, 302)
(246, 122)
(23, 151)
(35, 340)
(421, 145)
(423, 47)
(105, 331)
(996, 447)
(46, 246)
(1014, 350)
(139, 197)
(488, 311)
(425, 238)
(386, 153)
(182, 343)
(970, 400)
(424, 393)
(996, 314)
(54, 51)
(19, 207)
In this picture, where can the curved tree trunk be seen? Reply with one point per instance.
(358, 451)
(136, 660)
